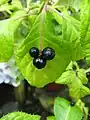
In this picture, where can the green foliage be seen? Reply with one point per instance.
(60, 26)
(84, 109)
(7, 29)
(6, 40)
(85, 28)
(70, 33)
(75, 79)
(51, 118)
(3, 1)
(69, 3)
(46, 27)
(20, 116)
(45, 32)
(13, 6)
(56, 31)
(64, 111)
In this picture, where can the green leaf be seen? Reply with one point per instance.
(85, 28)
(6, 40)
(43, 29)
(77, 90)
(69, 3)
(7, 29)
(20, 116)
(70, 32)
(2, 1)
(84, 109)
(75, 79)
(51, 118)
(14, 6)
(17, 4)
(63, 110)
(82, 76)
(24, 28)
(66, 78)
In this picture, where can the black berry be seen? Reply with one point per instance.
(74, 67)
(72, 103)
(39, 63)
(88, 74)
(89, 115)
(48, 53)
(10, 1)
(34, 52)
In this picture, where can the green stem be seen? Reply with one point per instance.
(42, 25)
(19, 93)
(32, 12)
(56, 3)
(28, 3)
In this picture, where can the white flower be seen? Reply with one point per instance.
(9, 74)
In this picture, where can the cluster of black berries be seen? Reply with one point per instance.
(39, 61)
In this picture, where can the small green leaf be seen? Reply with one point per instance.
(84, 109)
(20, 116)
(6, 40)
(14, 6)
(77, 90)
(2, 1)
(82, 76)
(66, 78)
(63, 110)
(75, 79)
(85, 28)
(51, 118)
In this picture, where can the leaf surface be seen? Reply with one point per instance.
(20, 116)
(43, 30)
(63, 110)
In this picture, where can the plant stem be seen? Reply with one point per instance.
(56, 3)
(42, 26)
(32, 12)
(28, 3)
(19, 93)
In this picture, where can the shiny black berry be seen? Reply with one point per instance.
(39, 63)
(9, 1)
(48, 53)
(72, 103)
(34, 52)
(89, 115)
(88, 74)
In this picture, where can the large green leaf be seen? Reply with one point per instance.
(85, 28)
(63, 110)
(43, 28)
(70, 32)
(75, 80)
(20, 116)
(7, 29)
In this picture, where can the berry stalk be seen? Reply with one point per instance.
(42, 27)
